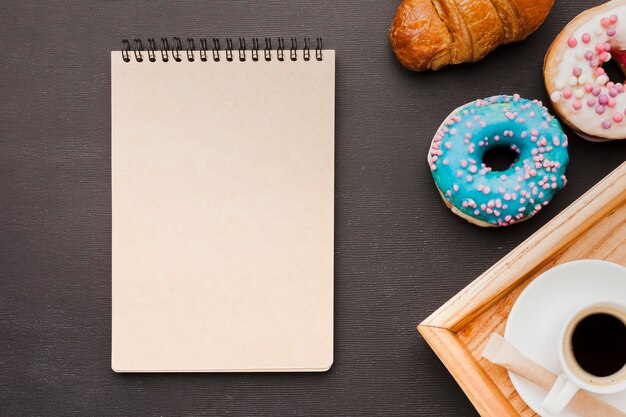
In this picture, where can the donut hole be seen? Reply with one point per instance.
(499, 158)
(613, 71)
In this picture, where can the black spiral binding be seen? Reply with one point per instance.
(175, 49)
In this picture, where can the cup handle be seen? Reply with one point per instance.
(560, 395)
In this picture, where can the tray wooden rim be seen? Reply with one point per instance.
(441, 327)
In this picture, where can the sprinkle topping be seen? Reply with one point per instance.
(499, 198)
(582, 85)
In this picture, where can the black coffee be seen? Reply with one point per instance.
(599, 344)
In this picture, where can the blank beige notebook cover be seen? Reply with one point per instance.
(223, 189)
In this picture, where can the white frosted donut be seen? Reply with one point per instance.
(580, 91)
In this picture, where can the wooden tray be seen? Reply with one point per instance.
(594, 226)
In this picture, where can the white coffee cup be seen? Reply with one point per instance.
(573, 377)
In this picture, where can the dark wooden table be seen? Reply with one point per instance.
(399, 252)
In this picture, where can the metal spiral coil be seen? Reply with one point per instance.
(175, 49)
(177, 46)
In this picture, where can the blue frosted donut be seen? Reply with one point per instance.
(499, 198)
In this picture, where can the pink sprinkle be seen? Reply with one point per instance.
(571, 42)
(469, 178)
(464, 163)
(605, 21)
(468, 124)
(487, 190)
(618, 117)
(577, 71)
(567, 93)
(453, 131)
(603, 99)
(612, 102)
(534, 132)
(594, 62)
(480, 188)
(577, 105)
(588, 54)
(445, 162)
(599, 109)
(448, 145)
(591, 102)
(610, 31)
(607, 46)
(596, 91)
(588, 87)
(606, 124)
(613, 92)
(586, 37)
(455, 187)
(599, 47)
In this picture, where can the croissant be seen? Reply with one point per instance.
(428, 34)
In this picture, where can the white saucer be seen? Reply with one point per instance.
(534, 321)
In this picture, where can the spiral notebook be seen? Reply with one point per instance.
(222, 194)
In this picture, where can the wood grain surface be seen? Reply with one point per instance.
(400, 254)
(593, 227)
(605, 240)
